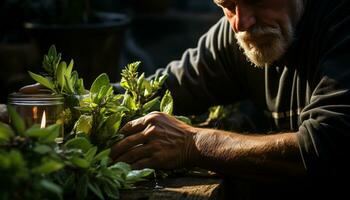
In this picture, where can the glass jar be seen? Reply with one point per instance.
(43, 109)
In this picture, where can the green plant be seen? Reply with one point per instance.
(80, 166)
(33, 166)
(59, 76)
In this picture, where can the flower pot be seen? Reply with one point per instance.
(150, 6)
(95, 47)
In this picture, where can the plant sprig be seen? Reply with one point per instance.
(59, 76)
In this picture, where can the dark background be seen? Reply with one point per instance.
(159, 31)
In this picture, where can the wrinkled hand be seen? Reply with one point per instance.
(156, 140)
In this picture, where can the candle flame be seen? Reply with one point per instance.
(43, 120)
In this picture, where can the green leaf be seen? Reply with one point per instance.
(54, 131)
(102, 155)
(84, 124)
(100, 95)
(52, 51)
(16, 120)
(36, 132)
(52, 187)
(61, 71)
(113, 123)
(140, 81)
(184, 119)
(69, 85)
(104, 162)
(43, 81)
(42, 149)
(148, 90)
(82, 186)
(74, 78)
(78, 143)
(110, 174)
(80, 162)
(6, 132)
(124, 167)
(95, 188)
(68, 72)
(110, 187)
(51, 60)
(138, 175)
(101, 80)
(129, 102)
(80, 87)
(69, 182)
(124, 84)
(89, 156)
(166, 105)
(103, 91)
(48, 167)
(152, 105)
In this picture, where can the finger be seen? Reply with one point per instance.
(127, 143)
(134, 126)
(137, 153)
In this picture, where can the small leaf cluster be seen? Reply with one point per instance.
(140, 96)
(104, 112)
(59, 76)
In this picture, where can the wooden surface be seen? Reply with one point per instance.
(192, 188)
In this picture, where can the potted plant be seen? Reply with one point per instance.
(93, 38)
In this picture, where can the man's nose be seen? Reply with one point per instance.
(244, 18)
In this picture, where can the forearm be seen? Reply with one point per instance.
(248, 156)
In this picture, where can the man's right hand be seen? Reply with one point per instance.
(156, 140)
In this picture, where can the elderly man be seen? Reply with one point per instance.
(292, 59)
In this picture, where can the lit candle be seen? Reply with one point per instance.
(29, 107)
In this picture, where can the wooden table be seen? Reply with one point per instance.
(180, 188)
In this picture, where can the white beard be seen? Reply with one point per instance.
(264, 45)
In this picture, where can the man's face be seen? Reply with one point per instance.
(264, 28)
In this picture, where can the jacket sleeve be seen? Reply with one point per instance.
(325, 131)
(207, 74)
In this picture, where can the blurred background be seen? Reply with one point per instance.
(100, 35)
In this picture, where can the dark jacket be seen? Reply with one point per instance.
(306, 91)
